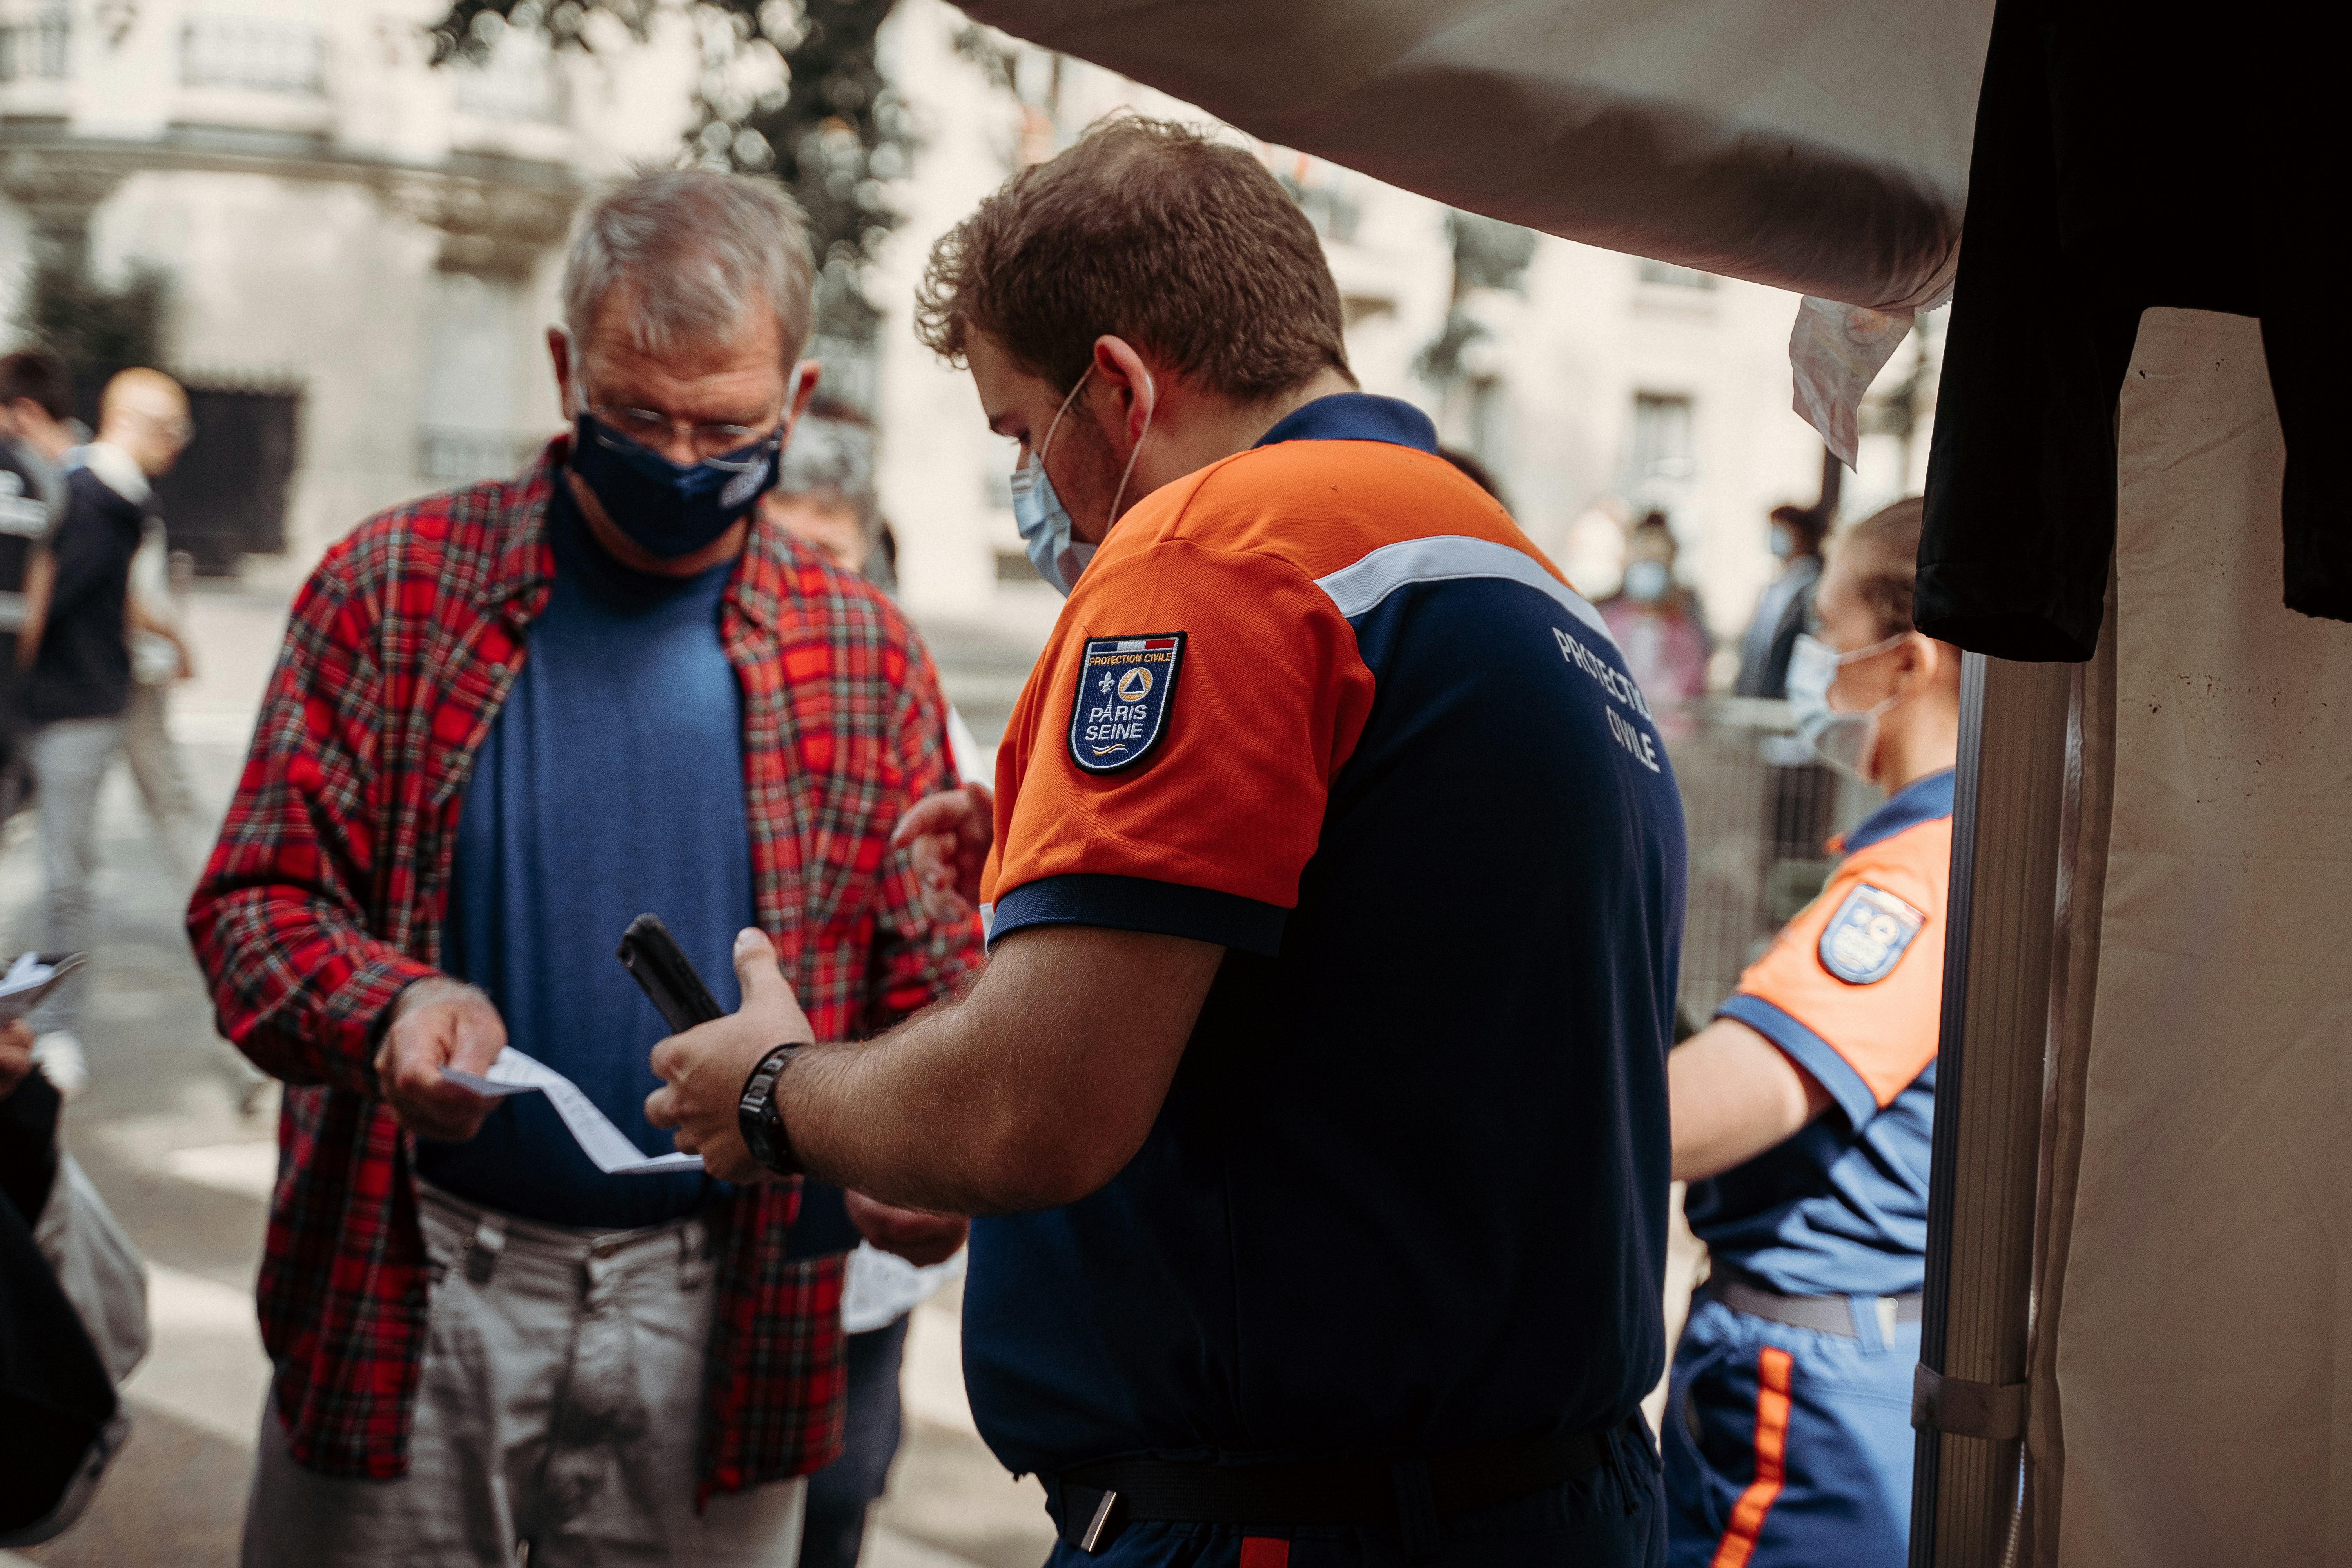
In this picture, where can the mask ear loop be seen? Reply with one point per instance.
(1876, 711)
(1057, 425)
(1117, 494)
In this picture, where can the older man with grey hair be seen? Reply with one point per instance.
(507, 720)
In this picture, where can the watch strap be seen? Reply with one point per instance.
(760, 1119)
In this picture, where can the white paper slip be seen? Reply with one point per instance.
(515, 1073)
(28, 981)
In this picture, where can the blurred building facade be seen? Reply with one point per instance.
(1594, 386)
(341, 222)
(335, 220)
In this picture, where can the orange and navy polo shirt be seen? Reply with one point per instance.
(1324, 704)
(1852, 990)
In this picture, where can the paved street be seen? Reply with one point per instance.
(187, 1168)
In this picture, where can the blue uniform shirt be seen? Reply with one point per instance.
(610, 785)
(1324, 704)
(1853, 992)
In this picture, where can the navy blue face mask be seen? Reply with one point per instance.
(666, 509)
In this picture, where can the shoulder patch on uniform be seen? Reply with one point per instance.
(1865, 939)
(1125, 686)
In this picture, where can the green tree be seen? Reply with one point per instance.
(827, 124)
(92, 327)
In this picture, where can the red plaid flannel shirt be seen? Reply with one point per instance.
(325, 894)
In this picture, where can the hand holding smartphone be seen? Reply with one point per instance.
(650, 953)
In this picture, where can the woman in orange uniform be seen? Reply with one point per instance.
(1802, 1119)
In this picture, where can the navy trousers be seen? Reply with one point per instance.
(1612, 1517)
(1788, 1447)
(834, 1531)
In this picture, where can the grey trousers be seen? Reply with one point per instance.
(69, 760)
(161, 776)
(556, 1423)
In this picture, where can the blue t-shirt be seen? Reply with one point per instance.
(610, 785)
(1324, 704)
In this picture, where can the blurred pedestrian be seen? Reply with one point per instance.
(37, 420)
(507, 720)
(73, 1309)
(35, 402)
(78, 687)
(1803, 1117)
(1286, 1234)
(1658, 623)
(825, 500)
(1782, 608)
(161, 657)
(825, 497)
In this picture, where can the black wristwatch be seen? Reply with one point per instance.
(761, 1121)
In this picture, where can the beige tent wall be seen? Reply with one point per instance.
(2194, 1365)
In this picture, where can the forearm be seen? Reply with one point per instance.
(40, 576)
(931, 1115)
(301, 990)
(143, 616)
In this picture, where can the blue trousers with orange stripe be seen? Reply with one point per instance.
(1786, 1447)
(1611, 1517)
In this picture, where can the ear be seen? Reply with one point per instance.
(559, 350)
(1919, 657)
(800, 385)
(1134, 388)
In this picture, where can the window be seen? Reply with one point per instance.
(35, 49)
(467, 428)
(1662, 453)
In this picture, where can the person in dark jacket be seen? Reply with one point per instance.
(35, 399)
(79, 681)
(1787, 600)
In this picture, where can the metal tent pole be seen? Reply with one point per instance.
(1969, 1401)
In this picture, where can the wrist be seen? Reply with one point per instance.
(428, 991)
(759, 1113)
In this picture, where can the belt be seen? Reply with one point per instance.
(1098, 1498)
(1824, 1314)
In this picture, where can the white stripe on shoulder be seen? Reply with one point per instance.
(1444, 557)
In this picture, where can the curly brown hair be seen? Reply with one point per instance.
(1150, 230)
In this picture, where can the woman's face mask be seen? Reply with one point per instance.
(1646, 581)
(1045, 523)
(1847, 741)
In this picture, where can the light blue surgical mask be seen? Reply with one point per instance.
(1847, 741)
(1646, 581)
(1045, 523)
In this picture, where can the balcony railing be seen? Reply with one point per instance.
(528, 90)
(254, 54)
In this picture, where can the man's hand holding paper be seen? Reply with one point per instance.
(438, 1024)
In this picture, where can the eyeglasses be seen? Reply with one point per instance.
(178, 430)
(720, 446)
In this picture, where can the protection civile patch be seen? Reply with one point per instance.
(1120, 710)
(1864, 939)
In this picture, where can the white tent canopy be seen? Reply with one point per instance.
(2153, 855)
(1821, 147)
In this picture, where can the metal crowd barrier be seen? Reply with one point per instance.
(1759, 811)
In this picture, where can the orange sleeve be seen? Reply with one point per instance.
(1176, 748)
(1852, 989)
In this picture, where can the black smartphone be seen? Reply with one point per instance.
(668, 979)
